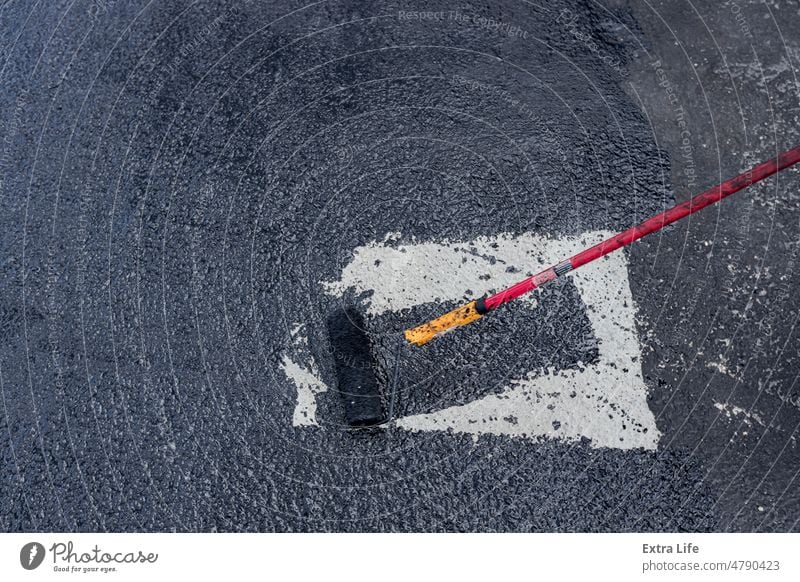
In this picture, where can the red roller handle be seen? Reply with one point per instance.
(650, 225)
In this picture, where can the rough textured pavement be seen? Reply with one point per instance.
(183, 182)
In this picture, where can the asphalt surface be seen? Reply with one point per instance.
(179, 178)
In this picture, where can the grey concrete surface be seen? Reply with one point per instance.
(179, 179)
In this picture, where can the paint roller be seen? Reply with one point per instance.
(357, 371)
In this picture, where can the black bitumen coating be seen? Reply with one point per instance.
(179, 177)
(483, 357)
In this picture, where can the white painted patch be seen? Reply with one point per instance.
(602, 402)
(307, 381)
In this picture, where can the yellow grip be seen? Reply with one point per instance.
(424, 333)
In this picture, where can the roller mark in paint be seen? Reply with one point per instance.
(407, 275)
